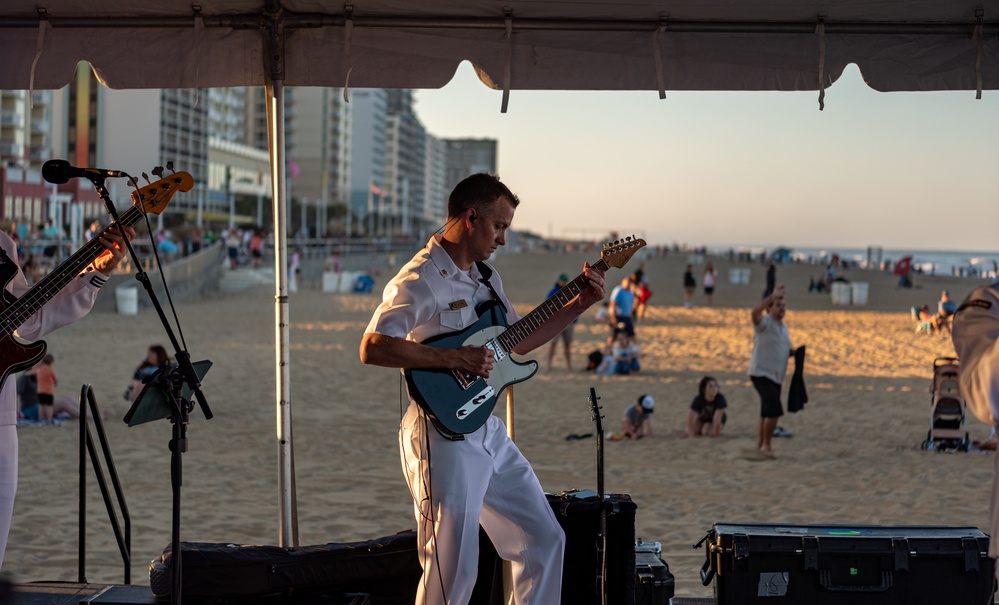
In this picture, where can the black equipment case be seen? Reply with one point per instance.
(654, 584)
(386, 569)
(579, 515)
(856, 564)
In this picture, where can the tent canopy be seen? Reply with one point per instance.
(514, 44)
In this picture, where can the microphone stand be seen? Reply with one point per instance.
(170, 381)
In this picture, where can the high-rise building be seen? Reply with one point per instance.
(405, 165)
(321, 159)
(435, 181)
(367, 164)
(469, 156)
(25, 131)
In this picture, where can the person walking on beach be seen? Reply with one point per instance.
(771, 278)
(461, 481)
(69, 304)
(566, 334)
(46, 382)
(768, 363)
(974, 334)
(710, 275)
(689, 285)
(622, 304)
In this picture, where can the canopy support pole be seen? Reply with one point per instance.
(274, 99)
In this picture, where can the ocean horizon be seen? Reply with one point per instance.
(971, 263)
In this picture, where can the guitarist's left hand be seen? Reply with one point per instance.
(598, 287)
(109, 259)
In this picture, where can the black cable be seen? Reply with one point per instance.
(428, 492)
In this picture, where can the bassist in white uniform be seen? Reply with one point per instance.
(481, 477)
(71, 303)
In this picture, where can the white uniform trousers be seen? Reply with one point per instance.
(994, 521)
(485, 480)
(8, 481)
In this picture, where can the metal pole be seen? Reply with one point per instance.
(288, 530)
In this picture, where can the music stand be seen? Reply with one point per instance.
(166, 394)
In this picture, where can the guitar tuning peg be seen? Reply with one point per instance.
(158, 171)
(145, 176)
(170, 166)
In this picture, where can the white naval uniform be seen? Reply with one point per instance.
(71, 303)
(483, 479)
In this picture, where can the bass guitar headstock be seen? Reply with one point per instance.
(156, 196)
(618, 253)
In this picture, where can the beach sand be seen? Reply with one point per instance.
(854, 458)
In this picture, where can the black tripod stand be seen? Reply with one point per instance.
(168, 392)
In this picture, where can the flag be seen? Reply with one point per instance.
(374, 188)
(293, 170)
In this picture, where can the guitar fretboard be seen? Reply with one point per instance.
(527, 324)
(15, 314)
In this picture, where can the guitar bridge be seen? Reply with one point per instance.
(464, 380)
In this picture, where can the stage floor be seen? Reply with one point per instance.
(72, 593)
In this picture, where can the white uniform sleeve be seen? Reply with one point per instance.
(68, 305)
(404, 306)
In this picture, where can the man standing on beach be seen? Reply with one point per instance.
(66, 306)
(976, 341)
(768, 364)
(481, 477)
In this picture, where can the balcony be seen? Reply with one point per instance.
(40, 125)
(10, 149)
(10, 117)
(39, 154)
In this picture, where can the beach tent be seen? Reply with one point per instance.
(899, 45)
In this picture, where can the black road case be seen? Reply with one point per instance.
(754, 563)
(654, 584)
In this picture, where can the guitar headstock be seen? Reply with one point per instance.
(154, 197)
(620, 252)
(595, 409)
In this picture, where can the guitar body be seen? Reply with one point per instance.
(462, 404)
(15, 356)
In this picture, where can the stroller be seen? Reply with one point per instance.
(948, 410)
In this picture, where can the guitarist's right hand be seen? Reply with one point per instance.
(474, 360)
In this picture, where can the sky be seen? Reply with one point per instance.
(913, 171)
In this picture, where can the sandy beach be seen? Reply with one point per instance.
(854, 457)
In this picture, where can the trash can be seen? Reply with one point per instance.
(735, 276)
(744, 277)
(127, 300)
(840, 293)
(858, 291)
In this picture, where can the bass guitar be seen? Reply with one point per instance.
(460, 402)
(14, 311)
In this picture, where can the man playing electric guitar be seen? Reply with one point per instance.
(460, 481)
(68, 305)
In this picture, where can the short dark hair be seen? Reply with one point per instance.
(703, 385)
(479, 191)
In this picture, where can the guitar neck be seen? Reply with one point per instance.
(527, 324)
(15, 314)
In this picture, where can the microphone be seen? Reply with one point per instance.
(60, 171)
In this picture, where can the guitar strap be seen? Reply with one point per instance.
(486, 273)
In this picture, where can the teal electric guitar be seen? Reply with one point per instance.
(460, 402)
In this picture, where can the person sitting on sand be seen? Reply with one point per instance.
(706, 415)
(625, 354)
(637, 421)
